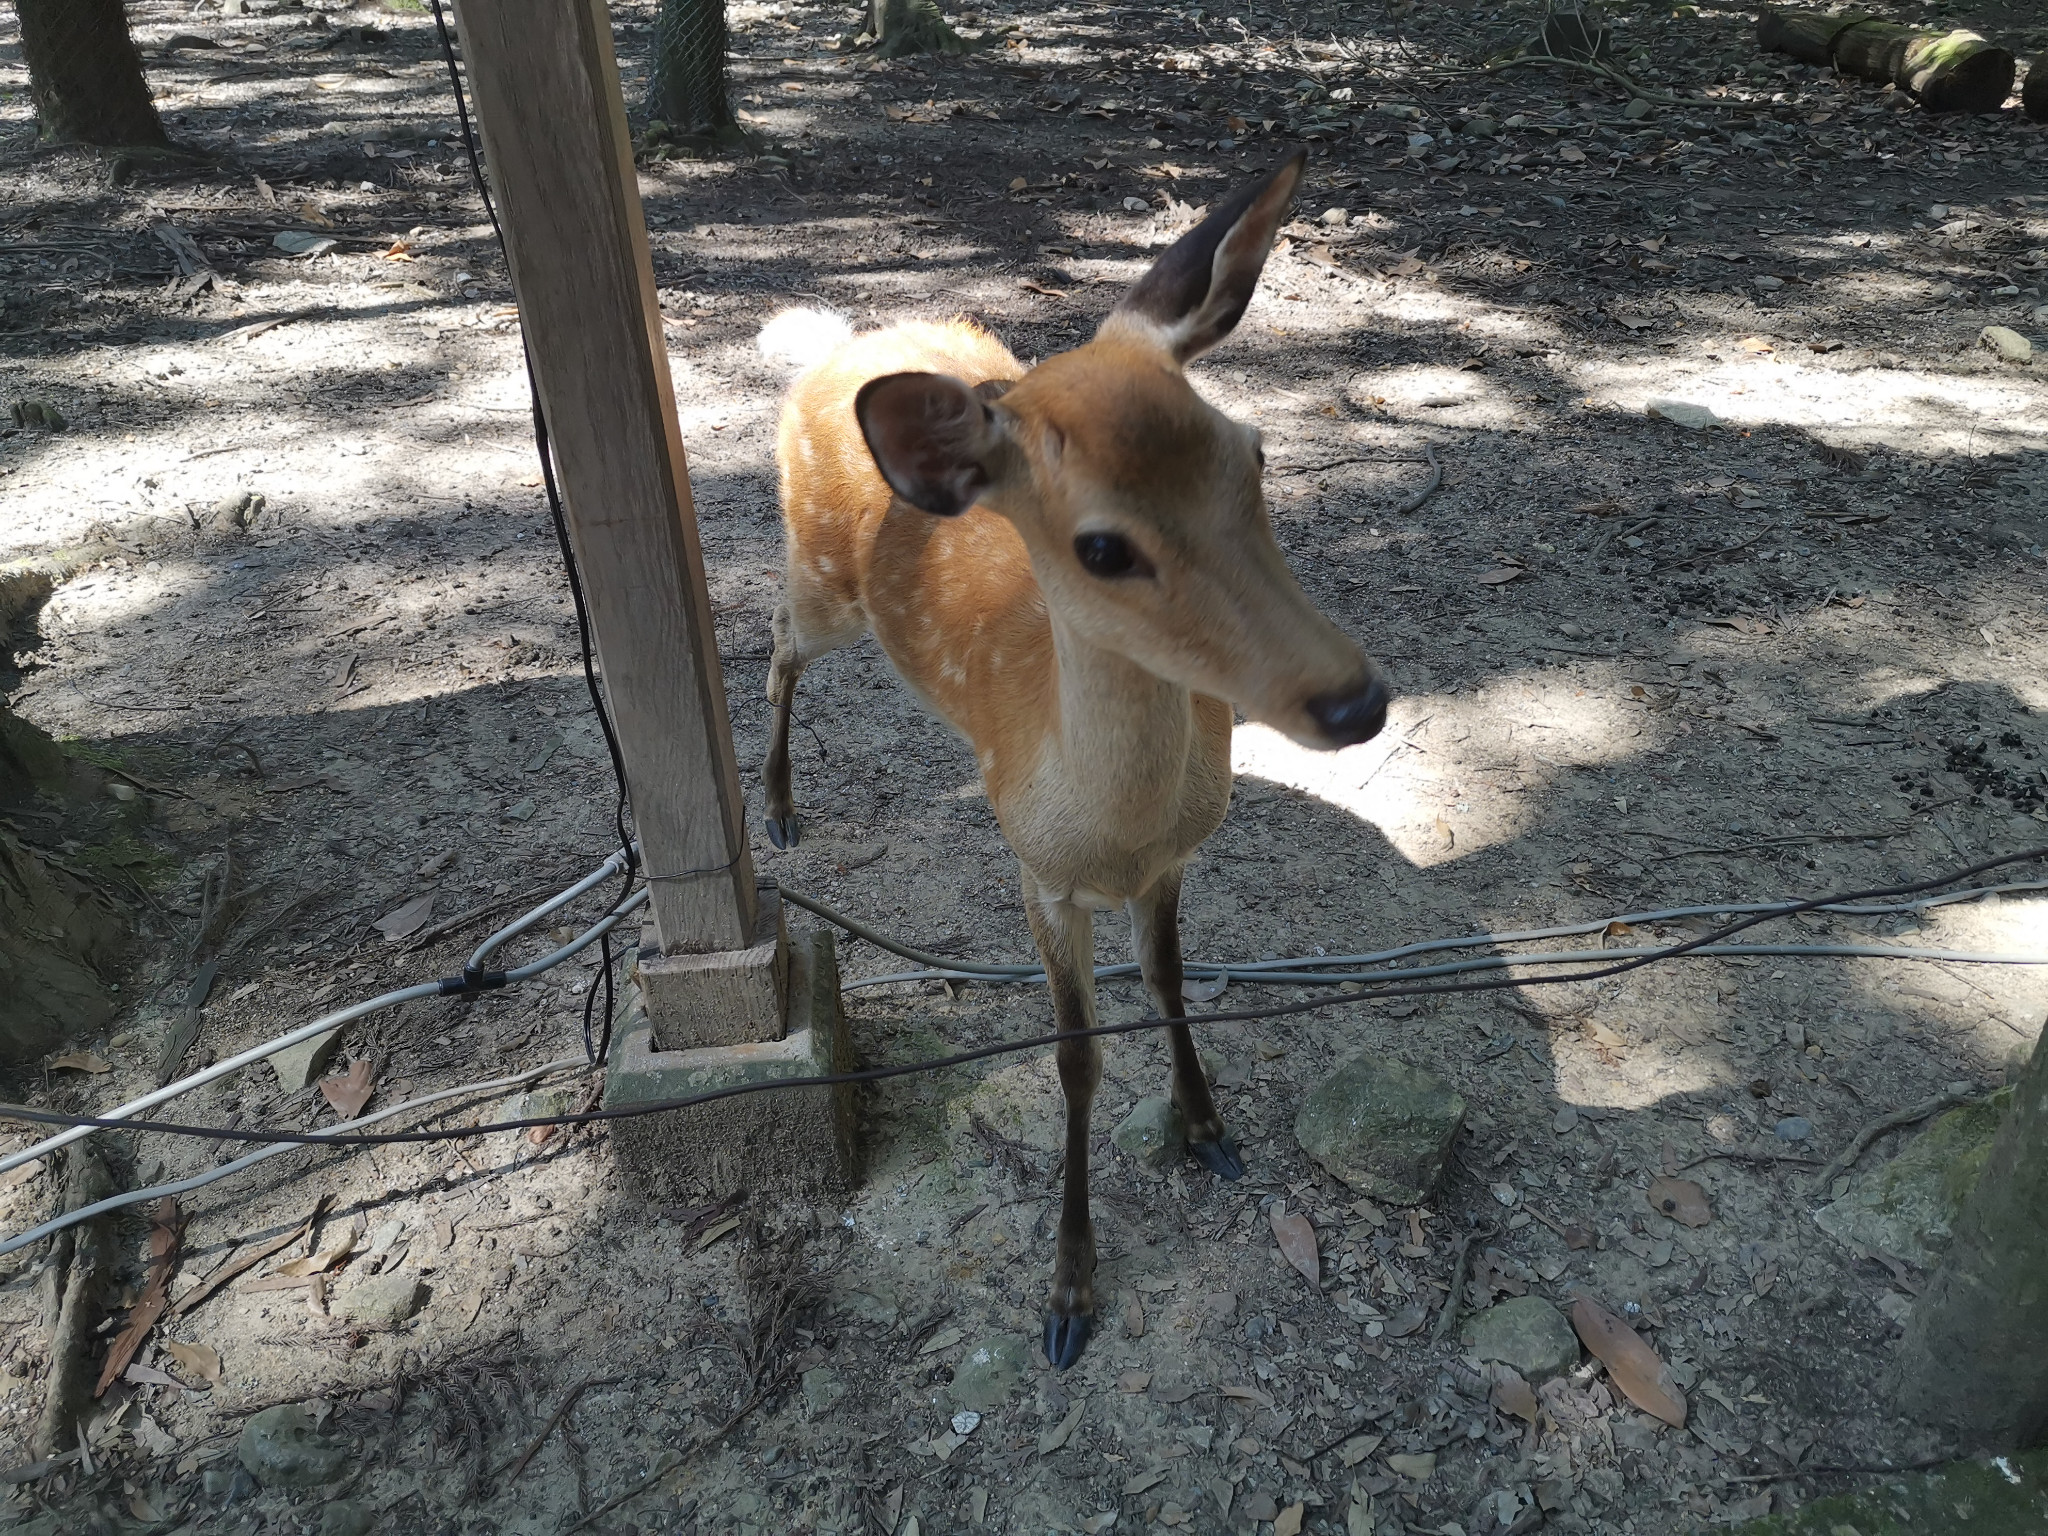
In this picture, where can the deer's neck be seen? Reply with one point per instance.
(1124, 733)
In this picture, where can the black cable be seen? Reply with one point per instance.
(1010, 1047)
(560, 521)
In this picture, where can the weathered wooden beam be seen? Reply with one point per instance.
(560, 159)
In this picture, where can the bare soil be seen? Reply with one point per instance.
(1640, 666)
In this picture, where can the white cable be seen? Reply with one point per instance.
(200, 1181)
(347, 1015)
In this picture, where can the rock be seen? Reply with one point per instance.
(1793, 1128)
(1153, 1132)
(1905, 1208)
(281, 1448)
(1527, 1333)
(990, 1373)
(823, 1388)
(1637, 109)
(1482, 127)
(2002, 1495)
(1383, 1127)
(383, 1301)
(1337, 217)
(1681, 413)
(346, 1517)
(300, 1066)
(2009, 344)
(237, 512)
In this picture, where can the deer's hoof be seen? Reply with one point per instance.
(1065, 1338)
(1220, 1156)
(782, 830)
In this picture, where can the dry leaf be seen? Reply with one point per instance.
(1297, 1240)
(1358, 1447)
(195, 1360)
(1633, 1365)
(1246, 1395)
(79, 1061)
(1502, 577)
(1204, 991)
(714, 1233)
(407, 920)
(1680, 1199)
(1756, 344)
(349, 1091)
(166, 1237)
(318, 1263)
(1134, 1381)
(1572, 154)
(1289, 1523)
(1514, 1395)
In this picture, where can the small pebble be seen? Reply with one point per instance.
(1793, 1128)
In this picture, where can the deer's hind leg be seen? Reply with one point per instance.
(1155, 928)
(811, 621)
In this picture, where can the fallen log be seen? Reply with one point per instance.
(1949, 72)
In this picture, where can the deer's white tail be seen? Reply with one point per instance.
(802, 337)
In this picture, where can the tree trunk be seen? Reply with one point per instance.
(2034, 98)
(84, 75)
(688, 89)
(1975, 1357)
(900, 27)
(1949, 72)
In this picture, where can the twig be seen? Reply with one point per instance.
(1436, 478)
(1949, 1098)
(666, 1467)
(1740, 1155)
(1586, 66)
(1841, 1469)
(548, 1429)
(427, 936)
(1448, 1315)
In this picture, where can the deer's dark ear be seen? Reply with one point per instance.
(935, 441)
(1195, 293)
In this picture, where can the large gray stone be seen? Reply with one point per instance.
(1383, 1127)
(347, 1517)
(299, 1066)
(1153, 1132)
(1905, 1208)
(281, 1448)
(384, 1301)
(1525, 1332)
(990, 1373)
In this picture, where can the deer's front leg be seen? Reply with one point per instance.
(1155, 927)
(1066, 943)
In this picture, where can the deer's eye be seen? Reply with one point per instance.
(1109, 555)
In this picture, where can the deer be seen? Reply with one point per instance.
(1073, 566)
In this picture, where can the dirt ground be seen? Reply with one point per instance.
(1640, 666)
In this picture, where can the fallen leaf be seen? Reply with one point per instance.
(1060, 1433)
(1033, 287)
(717, 1230)
(1757, 344)
(195, 1360)
(1633, 1365)
(1134, 1381)
(1246, 1395)
(1289, 1523)
(166, 1239)
(1407, 1320)
(295, 242)
(403, 922)
(1514, 1395)
(1204, 991)
(1145, 1480)
(1502, 577)
(1633, 322)
(1571, 154)
(1420, 1466)
(945, 1338)
(79, 1061)
(1681, 1199)
(349, 1091)
(1358, 1447)
(1297, 1240)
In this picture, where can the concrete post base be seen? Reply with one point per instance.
(797, 1140)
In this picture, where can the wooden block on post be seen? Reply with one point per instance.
(726, 998)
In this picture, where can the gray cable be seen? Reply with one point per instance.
(200, 1181)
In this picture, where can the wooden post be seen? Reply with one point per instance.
(560, 162)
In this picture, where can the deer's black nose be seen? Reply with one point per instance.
(1352, 715)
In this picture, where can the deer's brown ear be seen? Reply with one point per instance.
(934, 439)
(1195, 293)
